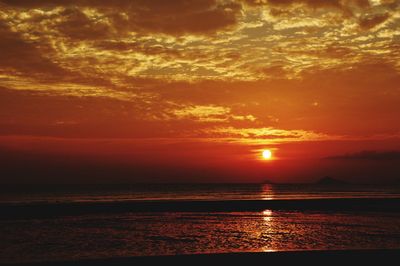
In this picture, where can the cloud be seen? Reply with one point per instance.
(169, 17)
(361, 10)
(117, 41)
(373, 21)
(209, 113)
(179, 63)
(345, 6)
(76, 24)
(203, 113)
(369, 155)
(267, 133)
(25, 60)
(22, 57)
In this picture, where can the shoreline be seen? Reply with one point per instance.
(319, 256)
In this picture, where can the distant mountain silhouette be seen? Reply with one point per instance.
(327, 180)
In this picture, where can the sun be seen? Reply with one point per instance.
(266, 154)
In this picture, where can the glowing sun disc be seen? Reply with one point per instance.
(266, 154)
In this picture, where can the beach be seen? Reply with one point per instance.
(97, 227)
(285, 258)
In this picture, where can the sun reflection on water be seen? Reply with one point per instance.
(267, 228)
(267, 215)
(267, 192)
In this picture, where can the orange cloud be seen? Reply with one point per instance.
(172, 17)
(268, 135)
(210, 113)
(161, 68)
(21, 57)
(345, 6)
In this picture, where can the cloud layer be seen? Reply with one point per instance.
(311, 69)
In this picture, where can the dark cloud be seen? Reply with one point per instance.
(25, 58)
(22, 57)
(77, 25)
(170, 17)
(346, 6)
(343, 5)
(371, 22)
(185, 17)
(176, 17)
(369, 155)
(277, 71)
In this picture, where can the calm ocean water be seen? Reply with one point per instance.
(88, 193)
(104, 235)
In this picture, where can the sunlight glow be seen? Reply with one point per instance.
(267, 154)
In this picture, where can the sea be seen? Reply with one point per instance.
(106, 233)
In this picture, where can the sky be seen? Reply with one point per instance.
(195, 90)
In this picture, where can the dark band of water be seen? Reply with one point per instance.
(38, 210)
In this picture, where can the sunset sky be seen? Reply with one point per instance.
(195, 90)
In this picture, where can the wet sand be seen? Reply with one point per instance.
(281, 258)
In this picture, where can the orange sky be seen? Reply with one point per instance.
(193, 90)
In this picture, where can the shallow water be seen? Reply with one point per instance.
(123, 234)
(132, 234)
